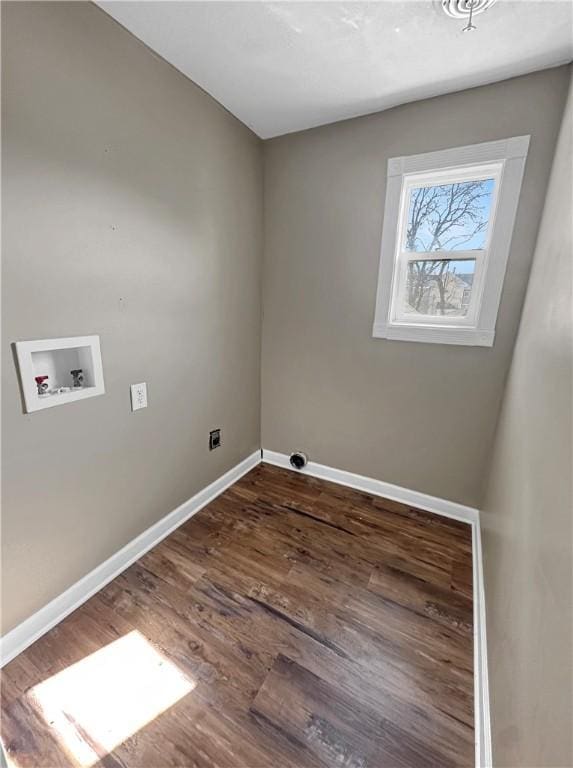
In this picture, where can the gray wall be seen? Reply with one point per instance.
(417, 415)
(526, 519)
(132, 208)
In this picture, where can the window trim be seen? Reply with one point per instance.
(509, 155)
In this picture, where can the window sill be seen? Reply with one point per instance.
(467, 336)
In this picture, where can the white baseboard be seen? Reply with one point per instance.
(379, 488)
(484, 755)
(19, 638)
(470, 515)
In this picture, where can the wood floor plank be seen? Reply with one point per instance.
(339, 730)
(306, 624)
(445, 606)
(411, 653)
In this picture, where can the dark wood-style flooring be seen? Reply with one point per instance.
(311, 624)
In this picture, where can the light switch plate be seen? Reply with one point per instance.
(138, 396)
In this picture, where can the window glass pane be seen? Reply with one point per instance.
(450, 217)
(438, 287)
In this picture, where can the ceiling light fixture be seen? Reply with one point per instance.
(466, 9)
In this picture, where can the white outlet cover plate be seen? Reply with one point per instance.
(138, 396)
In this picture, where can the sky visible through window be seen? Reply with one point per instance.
(449, 217)
(463, 268)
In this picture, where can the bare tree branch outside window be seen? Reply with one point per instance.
(445, 218)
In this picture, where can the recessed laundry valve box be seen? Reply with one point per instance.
(59, 371)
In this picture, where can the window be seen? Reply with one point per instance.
(448, 222)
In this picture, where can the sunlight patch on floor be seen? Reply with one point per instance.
(102, 700)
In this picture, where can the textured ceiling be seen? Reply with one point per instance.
(285, 66)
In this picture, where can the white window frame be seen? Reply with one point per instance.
(504, 161)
